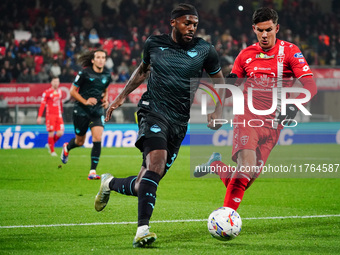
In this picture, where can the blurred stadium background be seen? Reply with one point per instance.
(39, 39)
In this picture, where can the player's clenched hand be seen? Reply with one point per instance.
(113, 106)
(91, 101)
(211, 120)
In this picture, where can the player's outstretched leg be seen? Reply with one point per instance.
(146, 203)
(66, 149)
(125, 186)
(95, 155)
(103, 195)
(52, 153)
(205, 168)
(235, 191)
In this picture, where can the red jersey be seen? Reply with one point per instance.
(52, 99)
(264, 70)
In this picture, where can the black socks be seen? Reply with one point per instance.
(95, 154)
(124, 186)
(147, 196)
(72, 145)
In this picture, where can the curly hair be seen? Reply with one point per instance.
(85, 60)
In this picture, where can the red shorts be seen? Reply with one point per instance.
(260, 139)
(54, 123)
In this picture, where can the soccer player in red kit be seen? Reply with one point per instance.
(270, 63)
(51, 98)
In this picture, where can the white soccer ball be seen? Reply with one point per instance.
(224, 224)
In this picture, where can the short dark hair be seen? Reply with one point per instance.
(183, 7)
(85, 59)
(265, 14)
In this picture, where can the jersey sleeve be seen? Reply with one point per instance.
(79, 79)
(42, 104)
(146, 51)
(298, 63)
(238, 67)
(212, 62)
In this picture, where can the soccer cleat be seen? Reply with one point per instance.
(47, 146)
(204, 169)
(103, 195)
(54, 154)
(144, 238)
(64, 154)
(93, 177)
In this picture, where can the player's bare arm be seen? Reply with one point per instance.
(136, 79)
(105, 100)
(217, 114)
(74, 93)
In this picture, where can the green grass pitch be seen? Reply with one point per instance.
(49, 210)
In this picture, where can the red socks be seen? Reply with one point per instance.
(51, 143)
(235, 192)
(235, 186)
(56, 138)
(224, 171)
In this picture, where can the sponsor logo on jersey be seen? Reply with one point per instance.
(305, 68)
(302, 61)
(264, 56)
(248, 60)
(91, 79)
(104, 80)
(192, 53)
(298, 55)
(164, 48)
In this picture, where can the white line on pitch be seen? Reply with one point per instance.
(165, 221)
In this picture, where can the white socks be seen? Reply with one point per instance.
(142, 230)
(93, 172)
